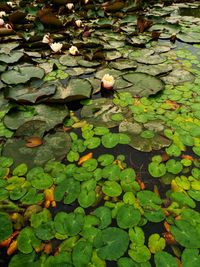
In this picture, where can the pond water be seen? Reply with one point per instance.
(94, 175)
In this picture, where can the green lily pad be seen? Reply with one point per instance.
(22, 75)
(39, 179)
(123, 64)
(178, 76)
(55, 146)
(110, 140)
(190, 257)
(105, 216)
(51, 114)
(143, 84)
(111, 243)
(189, 37)
(164, 259)
(157, 170)
(112, 189)
(139, 254)
(11, 57)
(68, 223)
(27, 241)
(151, 59)
(128, 216)
(154, 69)
(45, 231)
(68, 60)
(186, 234)
(75, 89)
(82, 253)
(6, 226)
(174, 166)
(156, 243)
(30, 92)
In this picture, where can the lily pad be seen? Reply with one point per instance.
(128, 216)
(51, 114)
(75, 89)
(22, 75)
(187, 235)
(11, 57)
(178, 76)
(111, 243)
(6, 226)
(123, 64)
(164, 259)
(32, 92)
(55, 146)
(143, 84)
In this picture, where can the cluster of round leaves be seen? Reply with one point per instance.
(92, 234)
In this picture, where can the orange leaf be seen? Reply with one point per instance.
(169, 238)
(167, 226)
(187, 157)
(173, 104)
(48, 248)
(6, 242)
(33, 141)
(49, 197)
(85, 158)
(12, 248)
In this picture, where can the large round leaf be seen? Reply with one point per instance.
(164, 259)
(22, 75)
(128, 216)
(68, 223)
(143, 84)
(37, 89)
(186, 234)
(111, 243)
(82, 253)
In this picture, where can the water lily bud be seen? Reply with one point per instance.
(56, 47)
(73, 50)
(70, 6)
(47, 39)
(86, 1)
(107, 82)
(78, 23)
(2, 14)
(1, 22)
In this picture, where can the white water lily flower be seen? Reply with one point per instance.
(2, 14)
(73, 50)
(1, 22)
(56, 47)
(108, 81)
(46, 39)
(11, 4)
(70, 6)
(78, 23)
(8, 26)
(86, 1)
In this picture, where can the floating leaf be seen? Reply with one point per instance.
(112, 189)
(22, 75)
(68, 223)
(143, 84)
(156, 243)
(111, 243)
(164, 259)
(128, 216)
(186, 234)
(82, 253)
(6, 226)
